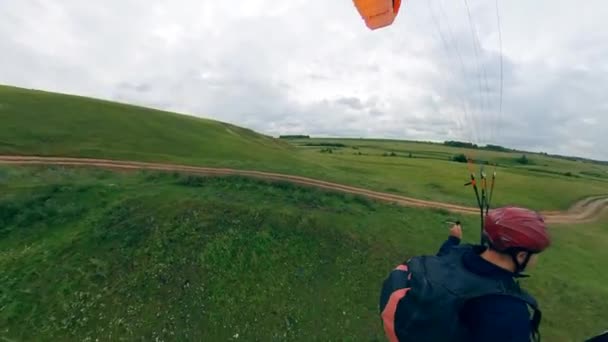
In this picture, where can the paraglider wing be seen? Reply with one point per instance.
(378, 13)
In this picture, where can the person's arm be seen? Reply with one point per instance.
(497, 318)
(453, 240)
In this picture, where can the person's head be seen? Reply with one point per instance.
(516, 235)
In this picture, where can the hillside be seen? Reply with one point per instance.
(50, 124)
(170, 256)
(92, 254)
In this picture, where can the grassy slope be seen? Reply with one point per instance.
(51, 124)
(41, 123)
(94, 254)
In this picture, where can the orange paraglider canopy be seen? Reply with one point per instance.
(378, 13)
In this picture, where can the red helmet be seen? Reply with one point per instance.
(512, 227)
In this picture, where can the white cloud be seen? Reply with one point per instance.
(311, 66)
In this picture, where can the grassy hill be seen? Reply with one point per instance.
(91, 254)
(41, 123)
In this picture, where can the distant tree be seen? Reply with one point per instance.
(523, 160)
(496, 148)
(461, 144)
(294, 137)
(461, 158)
(325, 144)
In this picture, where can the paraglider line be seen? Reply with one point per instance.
(472, 134)
(473, 183)
(468, 116)
(501, 62)
(480, 69)
(489, 202)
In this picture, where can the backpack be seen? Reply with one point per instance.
(422, 298)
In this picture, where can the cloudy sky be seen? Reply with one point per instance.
(312, 67)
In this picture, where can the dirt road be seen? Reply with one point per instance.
(587, 210)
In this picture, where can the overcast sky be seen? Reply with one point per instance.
(312, 67)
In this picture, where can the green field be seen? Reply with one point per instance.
(91, 254)
(40, 123)
(428, 173)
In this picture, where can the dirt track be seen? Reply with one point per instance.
(587, 210)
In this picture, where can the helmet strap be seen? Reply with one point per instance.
(520, 267)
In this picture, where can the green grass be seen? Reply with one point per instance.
(571, 282)
(430, 175)
(41, 123)
(89, 254)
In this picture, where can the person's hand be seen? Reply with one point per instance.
(456, 231)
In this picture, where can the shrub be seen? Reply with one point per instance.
(294, 137)
(523, 160)
(325, 144)
(461, 144)
(460, 158)
(191, 181)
